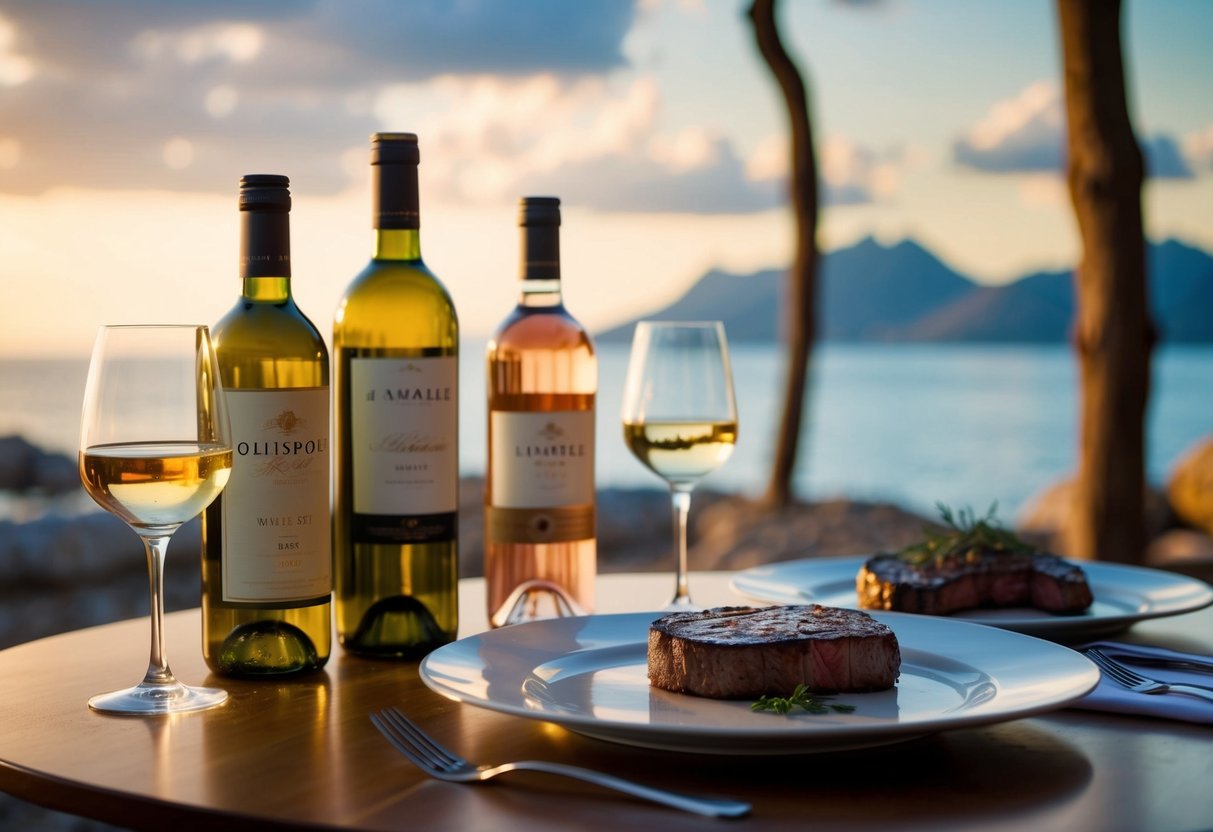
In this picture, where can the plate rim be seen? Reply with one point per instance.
(781, 737)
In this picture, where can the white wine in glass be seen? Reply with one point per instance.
(155, 450)
(679, 414)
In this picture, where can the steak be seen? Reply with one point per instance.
(745, 653)
(981, 578)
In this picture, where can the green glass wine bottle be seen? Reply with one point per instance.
(395, 513)
(266, 541)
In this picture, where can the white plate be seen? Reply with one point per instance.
(589, 675)
(1123, 596)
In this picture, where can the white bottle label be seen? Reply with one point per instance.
(403, 426)
(277, 545)
(542, 460)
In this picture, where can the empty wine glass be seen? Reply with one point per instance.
(155, 450)
(679, 414)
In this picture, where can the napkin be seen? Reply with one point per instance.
(1110, 696)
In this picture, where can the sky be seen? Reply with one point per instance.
(126, 125)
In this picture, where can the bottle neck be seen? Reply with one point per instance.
(540, 266)
(265, 255)
(266, 289)
(397, 244)
(394, 211)
(539, 293)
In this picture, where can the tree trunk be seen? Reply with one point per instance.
(801, 300)
(1113, 335)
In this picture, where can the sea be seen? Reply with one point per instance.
(913, 424)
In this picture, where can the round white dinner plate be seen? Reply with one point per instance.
(589, 674)
(1123, 596)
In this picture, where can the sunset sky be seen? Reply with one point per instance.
(125, 126)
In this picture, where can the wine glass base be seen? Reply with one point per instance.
(146, 699)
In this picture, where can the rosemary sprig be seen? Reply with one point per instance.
(966, 538)
(800, 699)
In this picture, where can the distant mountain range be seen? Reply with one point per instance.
(901, 293)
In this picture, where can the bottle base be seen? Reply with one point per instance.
(535, 600)
(399, 627)
(267, 648)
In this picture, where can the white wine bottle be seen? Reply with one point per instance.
(396, 345)
(267, 573)
(540, 545)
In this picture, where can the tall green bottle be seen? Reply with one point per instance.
(266, 541)
(395, 513)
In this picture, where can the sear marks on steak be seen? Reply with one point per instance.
(980, 579)
(744, 653)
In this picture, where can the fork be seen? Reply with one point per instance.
(436, 761)
(1136, 682)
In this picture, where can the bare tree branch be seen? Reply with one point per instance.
(800, 330)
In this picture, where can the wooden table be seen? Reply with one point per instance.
(304, 754)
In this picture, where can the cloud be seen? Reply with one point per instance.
(854, 174)
(594, 142)
(1164, 159)
(850, 173)
(92, 93)
(713, 183)
(1198, 148)
(1027, 134)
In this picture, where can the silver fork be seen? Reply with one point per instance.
(438, 762)
(1134, 681)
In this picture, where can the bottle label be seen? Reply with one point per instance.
(542, 476)
(403, 433)
(277, 546)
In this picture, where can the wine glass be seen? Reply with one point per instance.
(679, 414)
(155, 450)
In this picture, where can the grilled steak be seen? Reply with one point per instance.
(744, 653)
(981, 578)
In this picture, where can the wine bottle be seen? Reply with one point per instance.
(396, 344)
(539, 520)
(266, 541)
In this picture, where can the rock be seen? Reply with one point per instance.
(1183, 550)
(59, 574)
(25, 467)
(1190, 488)
(736, 535)
(1045, 518)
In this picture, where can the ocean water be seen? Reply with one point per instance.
(912, 424)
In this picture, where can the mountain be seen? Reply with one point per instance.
(869, 292)
(900, 293)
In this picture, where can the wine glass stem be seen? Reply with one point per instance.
(158, 672)
(681, 498)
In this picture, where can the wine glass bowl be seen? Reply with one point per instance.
(680, 414)
(155, 450)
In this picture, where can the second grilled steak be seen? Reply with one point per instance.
(988, 579)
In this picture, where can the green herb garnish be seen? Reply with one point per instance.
(800, 699)
(965, 539)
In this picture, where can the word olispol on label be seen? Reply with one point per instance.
(295, 448)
